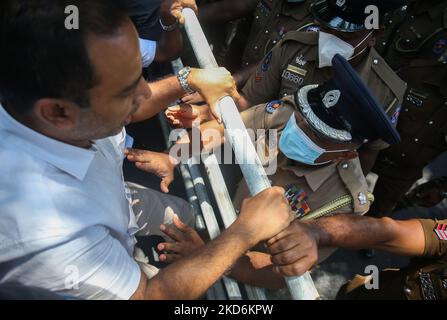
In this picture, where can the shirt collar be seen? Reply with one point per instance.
(70, 159)
(315, 176)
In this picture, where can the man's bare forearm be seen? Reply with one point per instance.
(354, 232)
(164, 92)
(190, 277)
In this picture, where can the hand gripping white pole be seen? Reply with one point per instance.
(301, 288)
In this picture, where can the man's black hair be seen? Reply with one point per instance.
(41, 58)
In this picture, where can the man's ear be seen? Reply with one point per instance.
(61, 114)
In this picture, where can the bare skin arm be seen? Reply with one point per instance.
(254, 268)
(212, 84)
(190, 277)
(295, 250)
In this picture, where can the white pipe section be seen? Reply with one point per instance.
(301, 288)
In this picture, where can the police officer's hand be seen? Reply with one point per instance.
(173, 9)
(185, 241)
(160, 164)
(426, 195)
(264, 215)
(213, 84)
(188, 116)
(295, 250)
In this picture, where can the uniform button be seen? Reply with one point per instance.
(363, 199)
(277, 15)
(257, 17)
(445, 103)
(407, 40)
(416, 140)
(274, 41)
(284, 95)
(266, 32)
(246, 63)
(376, 61)
(384, 43)
(431, 123)
(406, 110)
(256, 47)
(345, 166)
(403, 155)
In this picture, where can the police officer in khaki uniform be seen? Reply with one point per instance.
(272, 20)
(417, 50)
(321, 127)
(302, 58)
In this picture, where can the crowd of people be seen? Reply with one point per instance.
(349, 90)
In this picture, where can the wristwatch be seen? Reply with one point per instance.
(170, 27)
(182, 77)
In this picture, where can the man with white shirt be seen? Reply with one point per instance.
(66, 222)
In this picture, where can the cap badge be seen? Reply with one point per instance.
(341, 3)
(331, 98)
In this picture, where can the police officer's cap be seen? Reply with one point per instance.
(343, 109)
(349, 15)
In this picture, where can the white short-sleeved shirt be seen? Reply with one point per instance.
(66, 223)
(148, 50)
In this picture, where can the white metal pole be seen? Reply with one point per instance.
(301, 288)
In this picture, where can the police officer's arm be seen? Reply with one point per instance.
(190, 277)
(226, 10)
(295, 250)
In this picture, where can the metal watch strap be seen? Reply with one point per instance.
(183, 79)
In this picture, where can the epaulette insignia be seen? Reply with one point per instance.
(395, 116)
(271, 107)
(298, 201)
(441, 231)
(266, 62)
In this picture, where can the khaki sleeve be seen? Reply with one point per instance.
(435, 240)
(254, 117)
(257, 117)
(263, 85)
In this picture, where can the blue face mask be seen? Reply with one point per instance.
(296, 145)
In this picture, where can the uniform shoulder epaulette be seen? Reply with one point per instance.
(391, 79)
(309, 38)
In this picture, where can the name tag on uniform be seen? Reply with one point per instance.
(295, 69)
